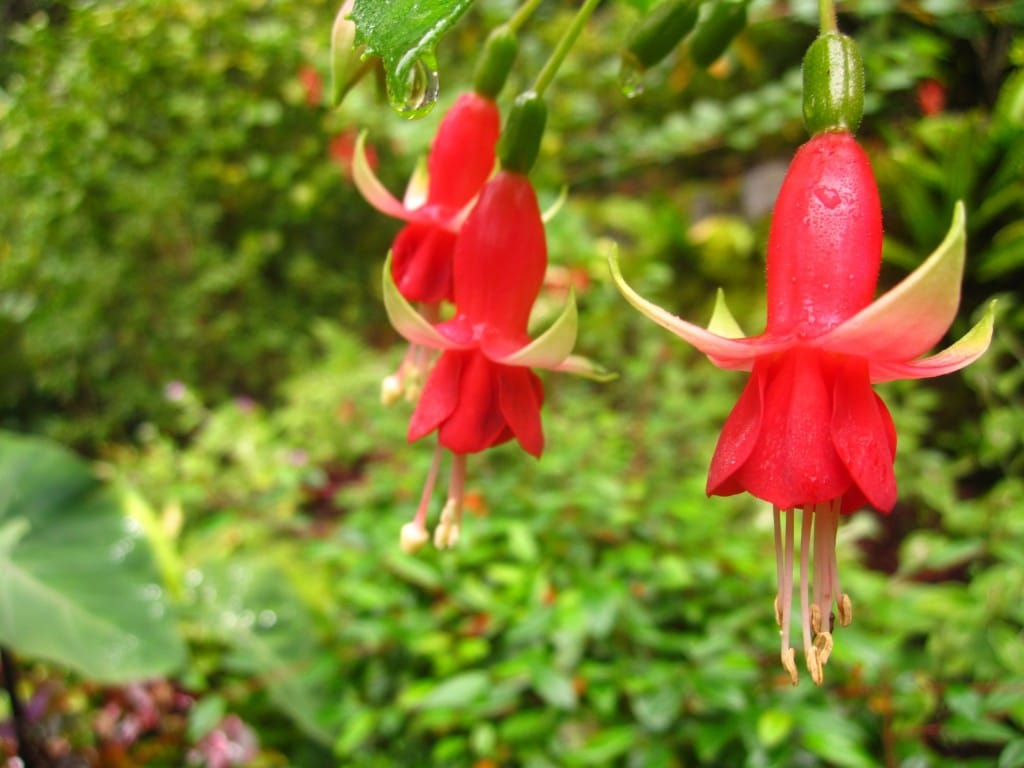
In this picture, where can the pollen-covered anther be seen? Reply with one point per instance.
(391, 389)
(413, 537)
(814, 665)
(778, 612)
(446, 534)
(823, 645)
(789, 664)
(845, 611)
(815, 619)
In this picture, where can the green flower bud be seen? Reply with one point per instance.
(520, 140)
(659, 32)
(716, 30)
(496, 62)
(833, 85)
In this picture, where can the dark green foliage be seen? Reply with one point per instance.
(169, 211)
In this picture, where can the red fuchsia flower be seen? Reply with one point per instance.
(436, 204)
(481, 391)
(808, 432)
(461, 159)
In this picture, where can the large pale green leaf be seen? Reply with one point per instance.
(404, 33)
(78, 584)
(251, 606)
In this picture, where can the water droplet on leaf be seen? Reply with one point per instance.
(631, 79)
(417, 96)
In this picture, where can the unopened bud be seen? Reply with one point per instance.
(345, 57)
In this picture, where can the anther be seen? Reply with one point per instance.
(789, 663)
(446, 534)
(391, 389)
(814, 665)
(823, 645)
(815, 618)
(845, 611)
(413, 537)
(778, 612)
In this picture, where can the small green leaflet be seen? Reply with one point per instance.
(404, 33)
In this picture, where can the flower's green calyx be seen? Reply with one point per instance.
(520, 141)
(496, 62)
(833, 85)
(659, 32)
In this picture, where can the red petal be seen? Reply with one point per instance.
(794, 462)
(462, 156)
(440, 395)
(521, 394)
(863, 434)
(422, 262)
(738, 438)
(501, 256)
(477, 422)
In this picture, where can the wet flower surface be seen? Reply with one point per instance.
(808, 431)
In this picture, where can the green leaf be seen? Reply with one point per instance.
(78, 584)
(252, 607)
(404, 33)
(457, 691)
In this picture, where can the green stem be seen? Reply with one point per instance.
(827, 16)
(520, 16)
(547, 74)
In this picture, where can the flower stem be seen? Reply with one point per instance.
(521, 15)
(547, 74)
(827, 16)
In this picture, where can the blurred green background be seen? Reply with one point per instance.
(189, 298)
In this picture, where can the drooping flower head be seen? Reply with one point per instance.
(808, 431)
(462, 157)
(437, 202)
(482, 392)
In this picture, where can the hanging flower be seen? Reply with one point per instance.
(481, 391)
(808, 431)
(437, 201)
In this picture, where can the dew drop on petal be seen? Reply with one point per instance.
(827, 195)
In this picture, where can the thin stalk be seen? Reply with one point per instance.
(521, 15)
(827, 16)
(547, 74)
(29, 752)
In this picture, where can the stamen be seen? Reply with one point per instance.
(414, 533)
(805, 613)
(777, 515)
(786, 590)
(446, 535)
